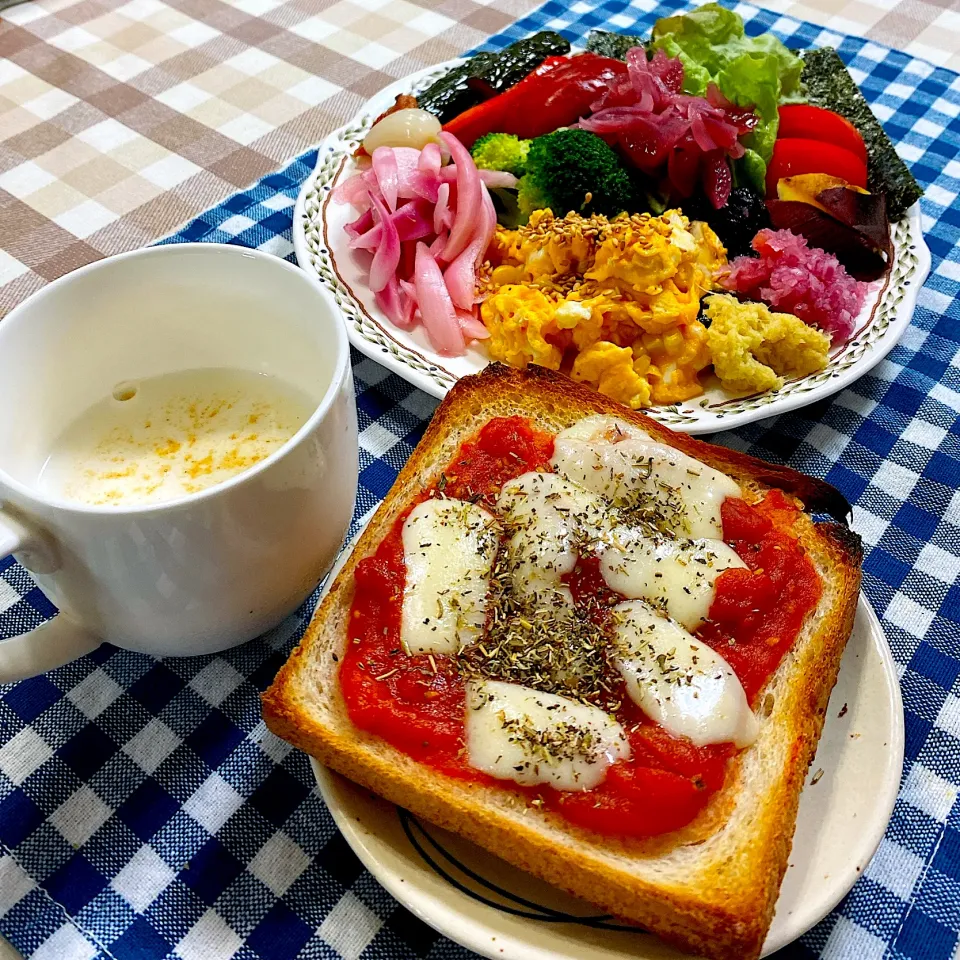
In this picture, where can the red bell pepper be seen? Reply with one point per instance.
(557, 94)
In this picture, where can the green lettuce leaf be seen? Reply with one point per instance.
(752, 79)
(751, 171)
(696, 77)
(751, 71)
(702, 33)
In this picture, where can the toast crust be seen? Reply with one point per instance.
(709, 888)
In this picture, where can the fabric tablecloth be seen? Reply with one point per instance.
(145, 811)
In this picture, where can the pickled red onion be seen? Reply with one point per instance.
(441, 212)
(387, 257)
(355, 191)
(428, 249)
(390, 301)
(470, 191)
(461, 275)
(408, 174)
(664, 131)
(412, 220)
(361, 225)
(388, 175)
(473, 329)
(436, 308)
(498, 179)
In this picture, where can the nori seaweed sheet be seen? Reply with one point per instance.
(608, 44)
(830, 85)
(469, 84)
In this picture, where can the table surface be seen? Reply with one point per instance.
(121, 120)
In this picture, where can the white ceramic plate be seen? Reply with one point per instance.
(321, 247)
(844, 810)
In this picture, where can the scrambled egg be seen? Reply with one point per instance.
(519, 317)
(610, 369)
(753, 349)
(620, 297)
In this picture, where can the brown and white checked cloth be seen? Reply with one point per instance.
(120, 119)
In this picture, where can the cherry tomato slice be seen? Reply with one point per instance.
(794, 156)
(800, 120)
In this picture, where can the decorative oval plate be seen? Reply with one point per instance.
(321, 246)
(494, 909)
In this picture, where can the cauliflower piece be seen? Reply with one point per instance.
(753, 349)
(519, 317)
(609, 368)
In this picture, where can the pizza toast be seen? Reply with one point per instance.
(708, 888)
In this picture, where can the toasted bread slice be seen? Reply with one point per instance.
(710, 888)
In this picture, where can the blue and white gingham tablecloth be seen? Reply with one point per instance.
(145, 811)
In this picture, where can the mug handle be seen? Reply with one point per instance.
(52, 644)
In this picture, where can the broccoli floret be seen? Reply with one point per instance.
(501, 151)
(574, 170)
(530, 198)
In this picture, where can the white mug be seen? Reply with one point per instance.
(212, 569)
